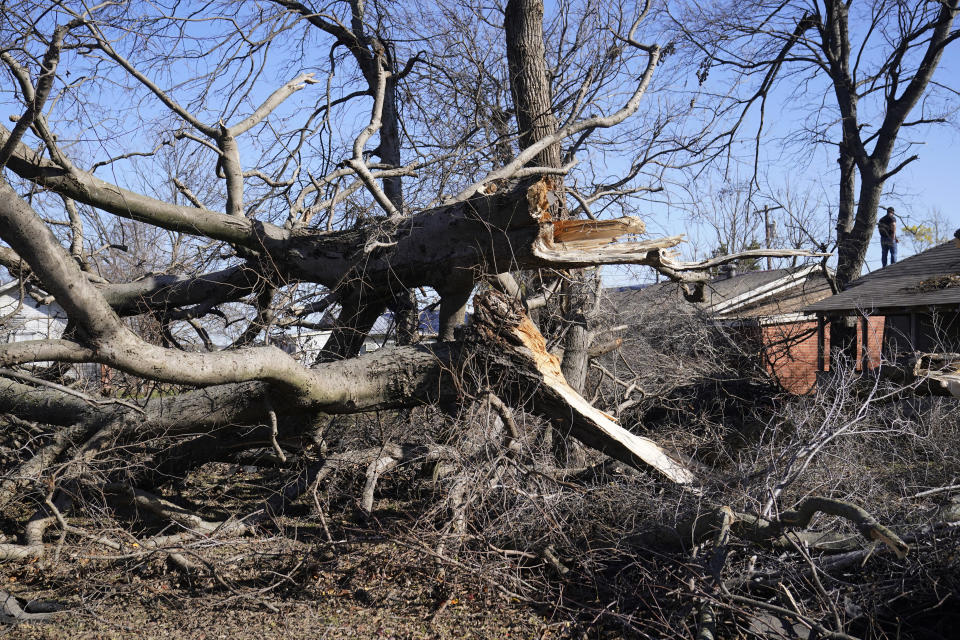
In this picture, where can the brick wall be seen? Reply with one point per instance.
(875, 325)
(790, 351)
(790, 354)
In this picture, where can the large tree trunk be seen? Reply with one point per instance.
(403, 302)
(581, 300)
(532, 99)
(853, 249)
(847, 204)
(852, 255)
(529, 84)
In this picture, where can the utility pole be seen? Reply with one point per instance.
(769, 230)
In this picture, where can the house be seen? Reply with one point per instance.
(765, 308)
(25, 317)
(384, 330)
(908, 308)
(307, 344)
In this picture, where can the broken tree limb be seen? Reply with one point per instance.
(940, 371)
(185, 518)
(501, 322)
(597, 350)
(771, 532)
(507, 230)
(866, 524)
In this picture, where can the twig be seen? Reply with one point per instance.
(273, 432)
(930, 492)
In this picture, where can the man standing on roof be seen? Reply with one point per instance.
(887, 226)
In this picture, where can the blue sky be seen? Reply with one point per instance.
(928, 184)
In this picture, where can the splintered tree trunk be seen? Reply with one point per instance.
(532, 99)
(508, 344)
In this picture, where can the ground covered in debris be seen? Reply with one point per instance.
(513, 535)
(370, 580)
(317, 601)
(349, 575)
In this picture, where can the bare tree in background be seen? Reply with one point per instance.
(871, 66)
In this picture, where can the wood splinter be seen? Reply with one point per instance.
(500, 321)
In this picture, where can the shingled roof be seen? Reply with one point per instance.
(753, 295)
(928, 280)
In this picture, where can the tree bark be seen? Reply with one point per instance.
(529, 84)
(847, 204)
(581, 301)
(852, 253)
(533, 102)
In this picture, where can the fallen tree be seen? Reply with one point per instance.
(512, 217)
(187, 278)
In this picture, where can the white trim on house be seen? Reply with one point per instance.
(787, 318)
(756, 295)
(765, 321)
(27, 319)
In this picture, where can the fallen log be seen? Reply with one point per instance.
(500, 333)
